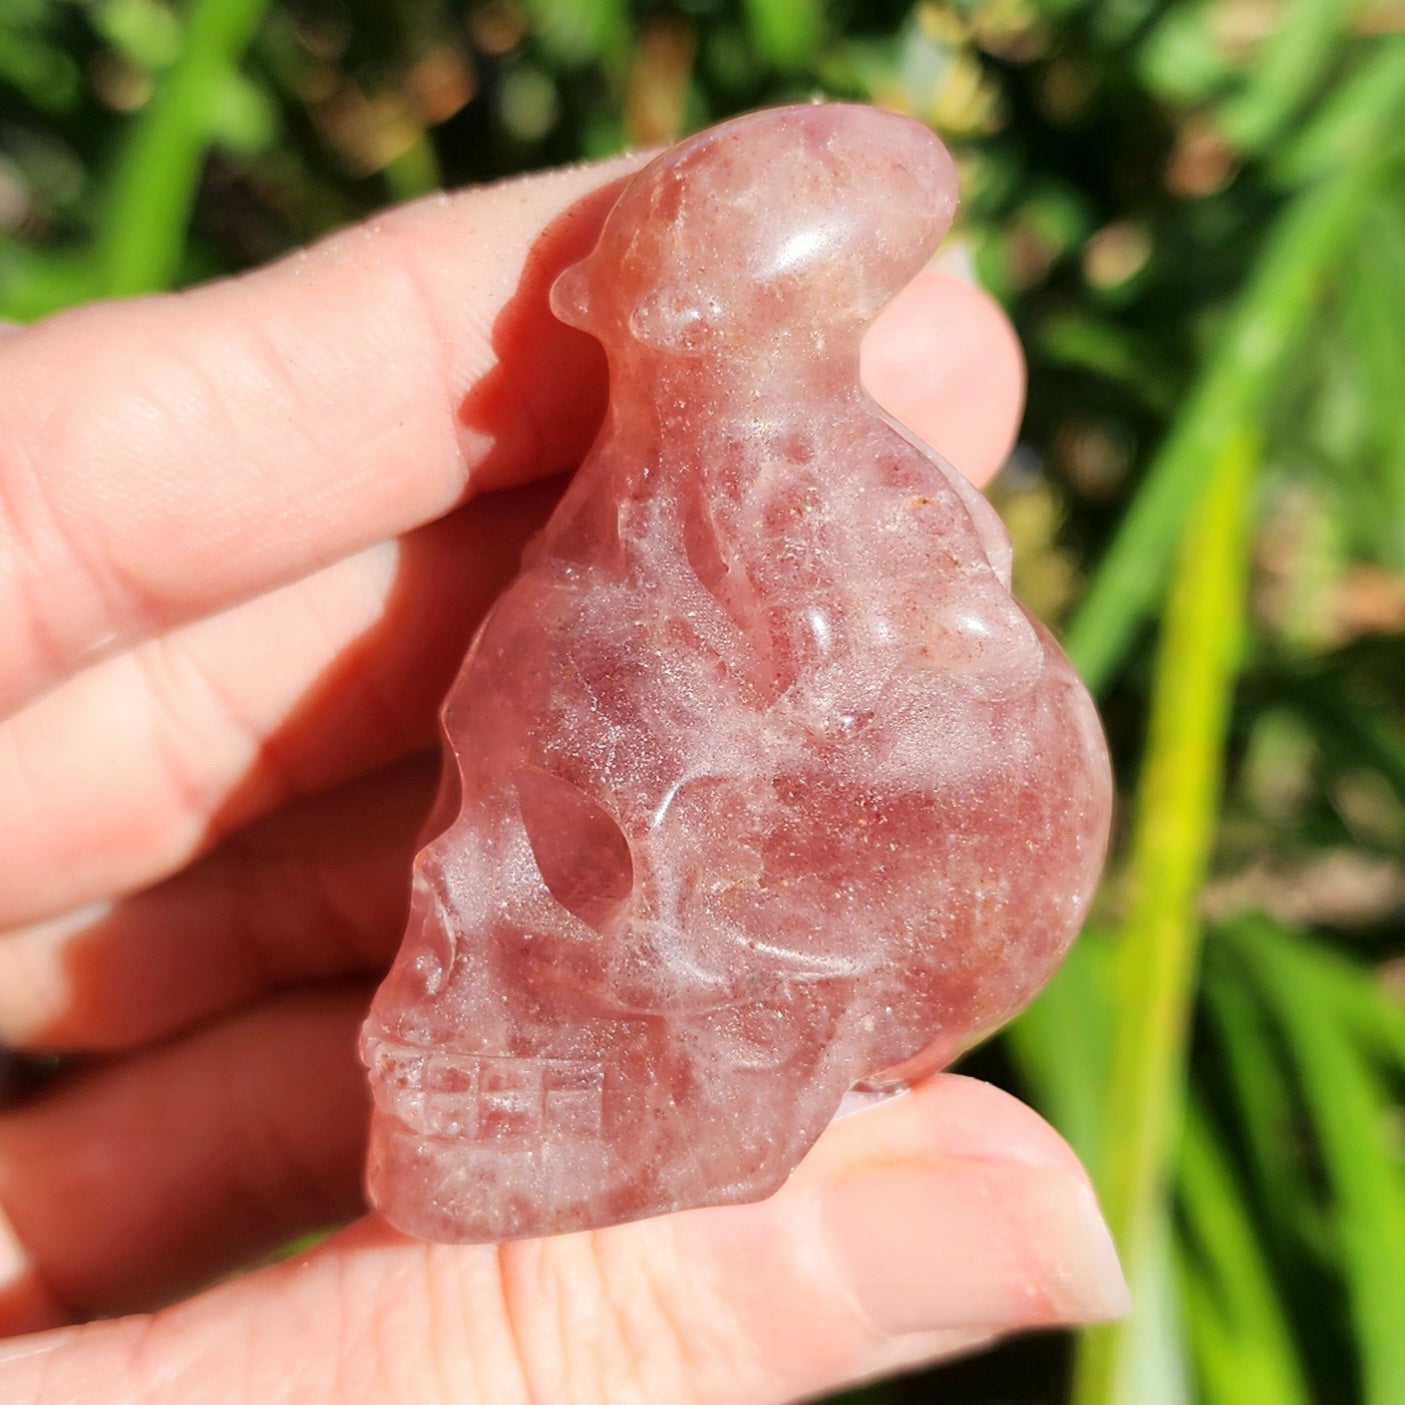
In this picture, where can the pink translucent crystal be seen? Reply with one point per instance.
(765, 786)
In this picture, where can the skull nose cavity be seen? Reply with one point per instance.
(434, 947)
(580, 850)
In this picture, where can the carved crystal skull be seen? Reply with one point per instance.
(761, 787)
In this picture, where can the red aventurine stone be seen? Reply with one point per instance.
(767, 787)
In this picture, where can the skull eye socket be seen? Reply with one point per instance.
(581, 852)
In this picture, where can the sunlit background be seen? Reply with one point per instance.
(1195, 212)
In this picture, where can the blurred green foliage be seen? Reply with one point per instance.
(1195, 212)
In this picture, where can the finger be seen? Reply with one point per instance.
(142, 1179)
(126, 771)
(132, 767)
(945, 360)
(165, 458)
(318, 892)
(314, 893)
(918, 1229)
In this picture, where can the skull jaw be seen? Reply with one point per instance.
(509, 1171)
(438, 1190)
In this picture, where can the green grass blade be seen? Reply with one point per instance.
(34, 282)
(1351, 1111)
(1294, 58)
(1348, 728)
(1172, 838)
(1264, 1099)
(785, 33)
(1375, 312)
(1260, 337)
(578, 31)
(1240, 1337)
(1099, 346)
(1060, 1045)
(1347, 125)
(154, 185)
(1158, 1372)
(1358, 1000)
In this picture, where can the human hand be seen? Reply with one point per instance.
(245, 534)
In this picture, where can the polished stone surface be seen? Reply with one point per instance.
(762, 787)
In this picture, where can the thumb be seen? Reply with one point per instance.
(914, 1230)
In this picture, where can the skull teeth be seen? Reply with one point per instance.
(504, 1101)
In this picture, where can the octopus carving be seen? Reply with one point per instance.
(763, 788)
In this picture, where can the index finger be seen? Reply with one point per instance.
(162, 459)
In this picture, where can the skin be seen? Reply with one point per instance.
(245, 534)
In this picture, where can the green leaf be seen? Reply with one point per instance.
(1061, 1044)
(1265, 1105)
(1154, 967)
(1181, 58)
(1098, 345)
(786, 33)
(153, 187)
(414, 171)
(1351, 1110)
(35, 283)
(1348, 727)
(1357, 998)
(1375, 314)
(578, 32)
(41, 71)
(1347, 126)
(1261, 335)
(147, 32)
(1288, 66)
(1240, 1336)
(242, 116)
(1157, 1372)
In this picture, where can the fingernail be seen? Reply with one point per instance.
(973, 1245)
(14, 1262)
(26, 1305)
(36, 986)
(957, 259)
